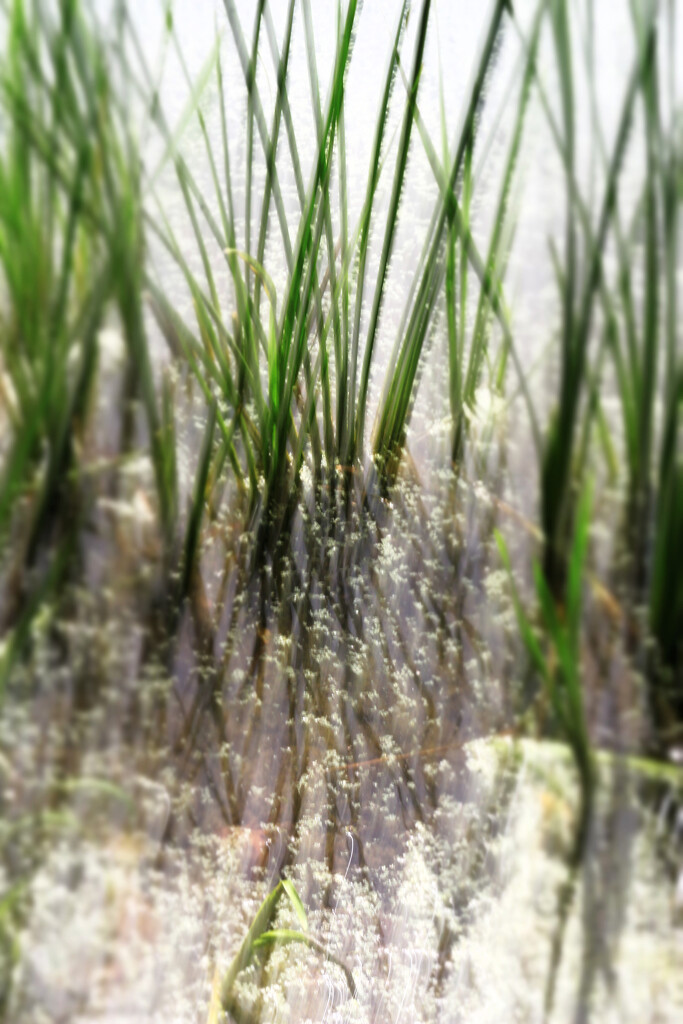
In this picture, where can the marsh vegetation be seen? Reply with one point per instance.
(341, 511)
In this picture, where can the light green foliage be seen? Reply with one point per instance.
(262, 936)
(557, 659)
(557, 655)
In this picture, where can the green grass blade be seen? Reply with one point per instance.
(392, 215)
(199, 500)
(348, 441)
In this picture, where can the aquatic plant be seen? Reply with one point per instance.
(264, 365)
(261, 936)
(58, 280)
(361, 655)
(398, 394)
(466, 361)
(74, 258)
(556, 656)
(648, 367)
(641, 343)
(578, 292)
(666, 586)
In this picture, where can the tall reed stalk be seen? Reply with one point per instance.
(399, 387)
(73, 256)
(642, 342)
(269, 366)
(579, 287)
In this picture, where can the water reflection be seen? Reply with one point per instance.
(352, 651)
(306, 715)
(314, 716)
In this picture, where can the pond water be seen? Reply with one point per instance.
(348, 716)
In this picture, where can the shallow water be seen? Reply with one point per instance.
(332, 741)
